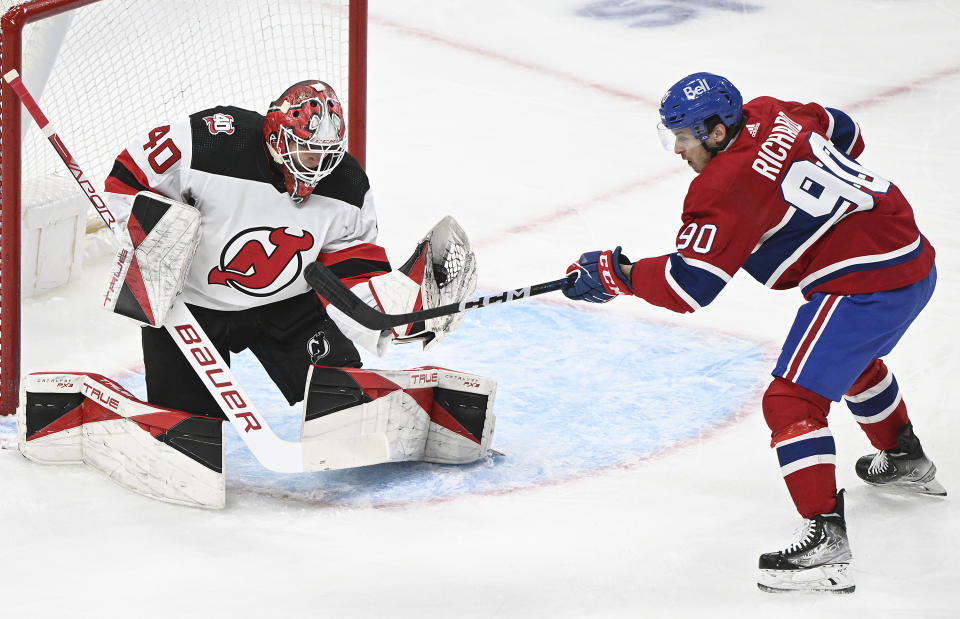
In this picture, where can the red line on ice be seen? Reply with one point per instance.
(533, 224)
(515, 62)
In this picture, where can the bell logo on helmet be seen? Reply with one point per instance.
(696, 90)
(262, 261)
(693, 101)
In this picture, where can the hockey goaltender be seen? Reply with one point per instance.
(217, 215)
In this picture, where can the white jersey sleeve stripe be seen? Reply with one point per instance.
(677, 288)
(706, 266)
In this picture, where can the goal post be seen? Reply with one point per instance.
(104, 71)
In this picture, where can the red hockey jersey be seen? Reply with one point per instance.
(787, 202)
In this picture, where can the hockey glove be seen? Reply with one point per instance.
(599, 276)
(154, 258)
(442, 270)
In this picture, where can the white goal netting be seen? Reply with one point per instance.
(106, 72)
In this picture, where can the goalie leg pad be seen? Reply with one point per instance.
(461, 418)
(164, 454)
(52, 422)
(431, 414)
(347, 403)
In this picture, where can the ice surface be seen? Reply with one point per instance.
(638, 479)
(558, 416)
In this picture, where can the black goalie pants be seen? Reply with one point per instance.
(286, 337)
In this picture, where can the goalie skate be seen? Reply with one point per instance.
(905, 468)
(817, 561)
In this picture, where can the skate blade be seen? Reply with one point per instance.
(931, 487)
(830, 578)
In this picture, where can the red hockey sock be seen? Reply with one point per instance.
(813, 489)
(877, 405)
(805, 448)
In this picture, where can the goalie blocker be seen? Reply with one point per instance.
(153, 260)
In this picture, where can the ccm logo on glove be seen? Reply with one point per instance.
(599, 277)
(607, 276)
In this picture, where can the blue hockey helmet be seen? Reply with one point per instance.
(694, 99)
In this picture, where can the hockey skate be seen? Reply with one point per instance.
(904, 468)
(817, 561)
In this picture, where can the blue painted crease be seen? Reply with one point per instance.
(578, 391)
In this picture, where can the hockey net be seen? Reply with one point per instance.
(105, 71)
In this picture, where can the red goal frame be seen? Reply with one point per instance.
(11, 40)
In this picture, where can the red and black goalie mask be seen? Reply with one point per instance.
(304, 131)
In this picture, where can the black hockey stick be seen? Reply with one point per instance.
(329, 286)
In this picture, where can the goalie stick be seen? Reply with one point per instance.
(329, 286)
(273, 452)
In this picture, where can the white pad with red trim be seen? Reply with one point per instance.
(87, 418)
(429, 413)
(390, 404)
(152, 263)
(461, 419)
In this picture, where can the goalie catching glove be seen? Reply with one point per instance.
(442, 270)
(153, 259)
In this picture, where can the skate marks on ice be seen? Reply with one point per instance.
(579, 391)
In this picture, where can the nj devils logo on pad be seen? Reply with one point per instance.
(262, 261)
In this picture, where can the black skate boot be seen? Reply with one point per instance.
(817, 561)
(904, 468)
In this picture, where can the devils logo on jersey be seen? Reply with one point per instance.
(262, 261)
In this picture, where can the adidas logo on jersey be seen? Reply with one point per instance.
(753, 129)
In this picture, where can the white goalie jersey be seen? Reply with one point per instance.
(255, 241)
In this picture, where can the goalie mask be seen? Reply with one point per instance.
(304, 132)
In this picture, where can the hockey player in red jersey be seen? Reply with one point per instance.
(780, 194)
(275, 192)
